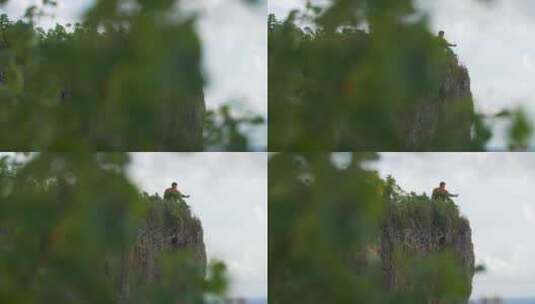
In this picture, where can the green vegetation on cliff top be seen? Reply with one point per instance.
(410, 209)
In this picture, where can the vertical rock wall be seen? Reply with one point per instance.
(421, 231)
(445, 119)
(170, 228)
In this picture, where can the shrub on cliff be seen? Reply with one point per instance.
(406, 209)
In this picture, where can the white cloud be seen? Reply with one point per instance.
(282, 7)
(236, 51)
(497, 265)
(529, 212)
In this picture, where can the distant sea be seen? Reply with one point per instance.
(505, 301)
(511, 301)
(519, 301)
(262, 301)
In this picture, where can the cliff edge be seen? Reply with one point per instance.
(424, 250)
(445, 119)
(421, 228)
(169, 228)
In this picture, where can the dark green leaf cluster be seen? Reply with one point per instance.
(122, 80)
(520, 132)
(224, 130)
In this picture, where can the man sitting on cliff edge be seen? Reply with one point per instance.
(441, 194)
(443, 40)
(175, 195)
(444, 43)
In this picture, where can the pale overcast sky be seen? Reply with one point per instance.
(496, 195)
(235, 49)
(229, 195)
(494, 41)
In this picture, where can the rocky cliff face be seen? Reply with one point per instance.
(445, 119)
(182, 124)
(169, 229)
(420, 230)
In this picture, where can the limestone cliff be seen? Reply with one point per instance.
(169, 228)
(421, 228)
(181, 126)
(444, 120)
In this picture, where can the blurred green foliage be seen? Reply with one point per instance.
(367, 75)
(323, 214)
(67, 219)
(128, 77)
(225, 130)
(520, 132)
